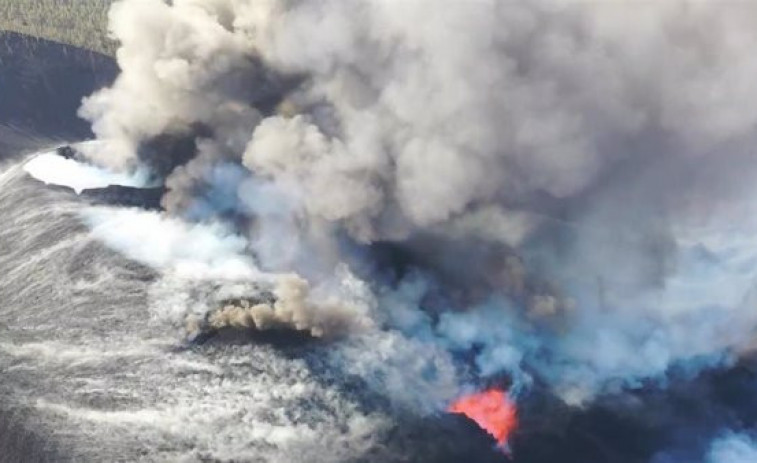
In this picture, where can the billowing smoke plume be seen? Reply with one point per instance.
(562, 191)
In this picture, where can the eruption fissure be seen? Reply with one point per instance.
(533, 164)
(492, 410)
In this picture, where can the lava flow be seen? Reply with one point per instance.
(492, 410)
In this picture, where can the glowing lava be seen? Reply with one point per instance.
(492, 410)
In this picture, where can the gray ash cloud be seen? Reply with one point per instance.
(557, 192)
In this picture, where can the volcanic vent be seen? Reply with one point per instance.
(556, 193)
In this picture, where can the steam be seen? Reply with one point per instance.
(206, 251)
(53, 169)
(560, 190)
(192, 254)
(733, 448)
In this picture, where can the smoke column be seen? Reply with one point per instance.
(556, 192)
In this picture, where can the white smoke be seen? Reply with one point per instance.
(733, 448)
(191, 254)
(601, 151)
(204, 265)
(203, 251)
(56, 170)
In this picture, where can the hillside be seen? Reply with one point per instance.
(42, 84)
(81, 23)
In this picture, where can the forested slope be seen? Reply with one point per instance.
(82, 23)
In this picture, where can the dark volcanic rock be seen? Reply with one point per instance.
(146, 198)
(119, 195)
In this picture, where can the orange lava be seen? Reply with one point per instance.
(492, 410)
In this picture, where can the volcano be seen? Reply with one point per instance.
(384, 232)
